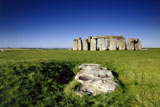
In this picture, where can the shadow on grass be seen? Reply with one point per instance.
(118, 81)
(51, 84)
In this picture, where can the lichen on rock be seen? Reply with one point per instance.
(94, 80)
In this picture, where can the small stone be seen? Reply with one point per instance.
(94, 80)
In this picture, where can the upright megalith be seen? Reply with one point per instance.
(130, 44)
(134, 44)
(93, 45)
(108, 43)
(102, 45)
(138, 45)
(113, 44)
(80, 45)
(75, 44)
(85, 44)
(121, 44)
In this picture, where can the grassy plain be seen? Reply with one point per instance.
(44, 77)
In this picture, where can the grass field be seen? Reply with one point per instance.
(45, 77)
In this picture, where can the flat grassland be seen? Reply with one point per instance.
(45, 77)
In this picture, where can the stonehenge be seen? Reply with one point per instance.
(114, 42)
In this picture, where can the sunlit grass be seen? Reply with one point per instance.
(138, 76)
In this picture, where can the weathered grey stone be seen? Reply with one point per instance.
(85, 44)
(75, 44)
(80, 46)
(113, 44)
(109, 36)
(121, 44)
(136, 40)
(102, 45)
(131, 44)
(108, 43)
(93, 45)
(138, 45)
(134, 44)
(95, 79)
(89, 39)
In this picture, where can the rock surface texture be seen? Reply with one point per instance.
(113, 44)
(80, 46)
(85, 44)
(102, 45)
(75, 44)
(93, 46)
(121, 44)
(94, 80)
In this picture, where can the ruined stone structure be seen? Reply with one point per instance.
(134, 44)
(113, 43)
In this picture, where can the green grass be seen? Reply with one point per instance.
(45, 77)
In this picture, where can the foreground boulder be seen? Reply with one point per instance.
(94, 79)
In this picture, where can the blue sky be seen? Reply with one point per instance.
(55, 23)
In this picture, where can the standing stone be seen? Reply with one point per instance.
(108, 43)
(121, 44)
(138, 45)
(113, 44)
(85, 44)
(80, 47)
(89, 38)
(89, 42)
(93, 44)
(102, 44)
(131, 44)
(75, 44)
